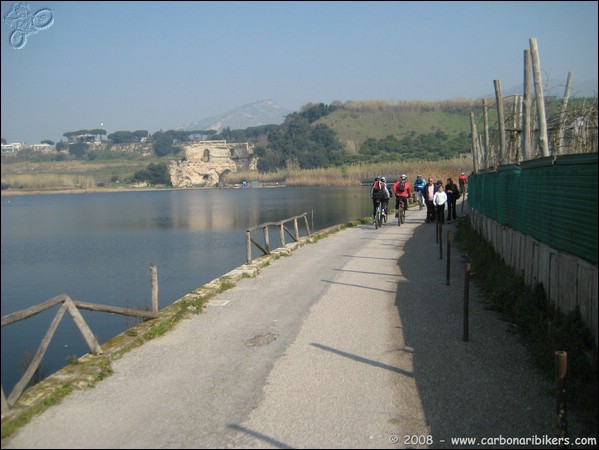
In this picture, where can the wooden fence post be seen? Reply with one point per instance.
(154, 285)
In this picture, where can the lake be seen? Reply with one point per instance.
(99, 247)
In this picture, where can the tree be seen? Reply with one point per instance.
(156, 173)
(47, 141)
(121, 137)
(78, 150)
(140, 134)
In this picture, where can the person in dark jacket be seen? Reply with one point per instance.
(379, 193)
(453, 193)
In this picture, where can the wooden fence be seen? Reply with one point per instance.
(72, 307)
(265, 246)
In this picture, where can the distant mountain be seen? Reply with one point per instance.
(262, 112)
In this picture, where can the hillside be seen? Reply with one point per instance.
(358, 121)
(318, 136)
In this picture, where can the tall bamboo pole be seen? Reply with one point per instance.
(487, 148)
(559, 144)
(536, 71)
(527, 150)
(475, 149)
(501, 120)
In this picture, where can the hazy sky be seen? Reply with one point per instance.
(157, 65)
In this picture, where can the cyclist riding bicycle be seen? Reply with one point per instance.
(402, 190)
(379, 193)
(419, 184)
(463, 181)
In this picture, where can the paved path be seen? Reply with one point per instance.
(346, 343)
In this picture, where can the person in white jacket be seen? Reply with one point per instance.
(439, 200)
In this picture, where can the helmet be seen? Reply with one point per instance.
(383, 179)
(376, 178)
(462, 173)
(403, 176)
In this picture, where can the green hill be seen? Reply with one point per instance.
(357, 122)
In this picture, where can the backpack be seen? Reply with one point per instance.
(377, 186)
(456, 192)
(402, 186)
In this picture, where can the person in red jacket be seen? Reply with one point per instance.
(402, 190)
(463, 181)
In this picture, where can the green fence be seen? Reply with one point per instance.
(551, 200)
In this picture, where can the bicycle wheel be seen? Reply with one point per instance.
(402, 216)
(377, 217)
(399, 211)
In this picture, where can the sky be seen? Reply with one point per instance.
(127, 66)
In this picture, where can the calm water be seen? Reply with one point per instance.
(98, 248)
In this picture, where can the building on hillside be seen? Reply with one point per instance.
(11, 149)
(83, 139)
(43, 148)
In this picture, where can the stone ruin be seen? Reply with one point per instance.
(207, 162)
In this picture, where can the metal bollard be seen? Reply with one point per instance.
(447, 276)
(466, 295)
(440, 240)
(561, 370)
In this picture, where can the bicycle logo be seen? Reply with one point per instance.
(25, 23)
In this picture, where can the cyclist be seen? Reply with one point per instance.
(419, 184)
(463, 181)
(386, 201)
(379, 193)
(402, 190)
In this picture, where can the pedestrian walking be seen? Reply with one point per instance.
(453, 194)
(429, 192)
(439, 200)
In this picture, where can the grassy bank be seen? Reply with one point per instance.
(544, 328)
(354, 175)
(77, 176)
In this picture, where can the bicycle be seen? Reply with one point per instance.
(378, 215)
(401, 213)
(420, 199)
(463, 194)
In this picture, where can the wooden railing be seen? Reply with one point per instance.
(72, 307)
(265, 247)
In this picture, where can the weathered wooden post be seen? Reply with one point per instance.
(488, 158)
(526, 105)
(475, 148)
(154, 285)
(447, 283)
(306, 222)
(248, 247)
(440, 239)
(561, 370)
(536, 71)
(466, 300)
(501, 122)
(282, 234)
(559, 144)
(266, 239)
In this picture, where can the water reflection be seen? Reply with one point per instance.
(99, 247)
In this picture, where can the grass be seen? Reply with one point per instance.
(545, 328)
(360, 120)
(355, 175)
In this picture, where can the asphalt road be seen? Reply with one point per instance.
(355, 341)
